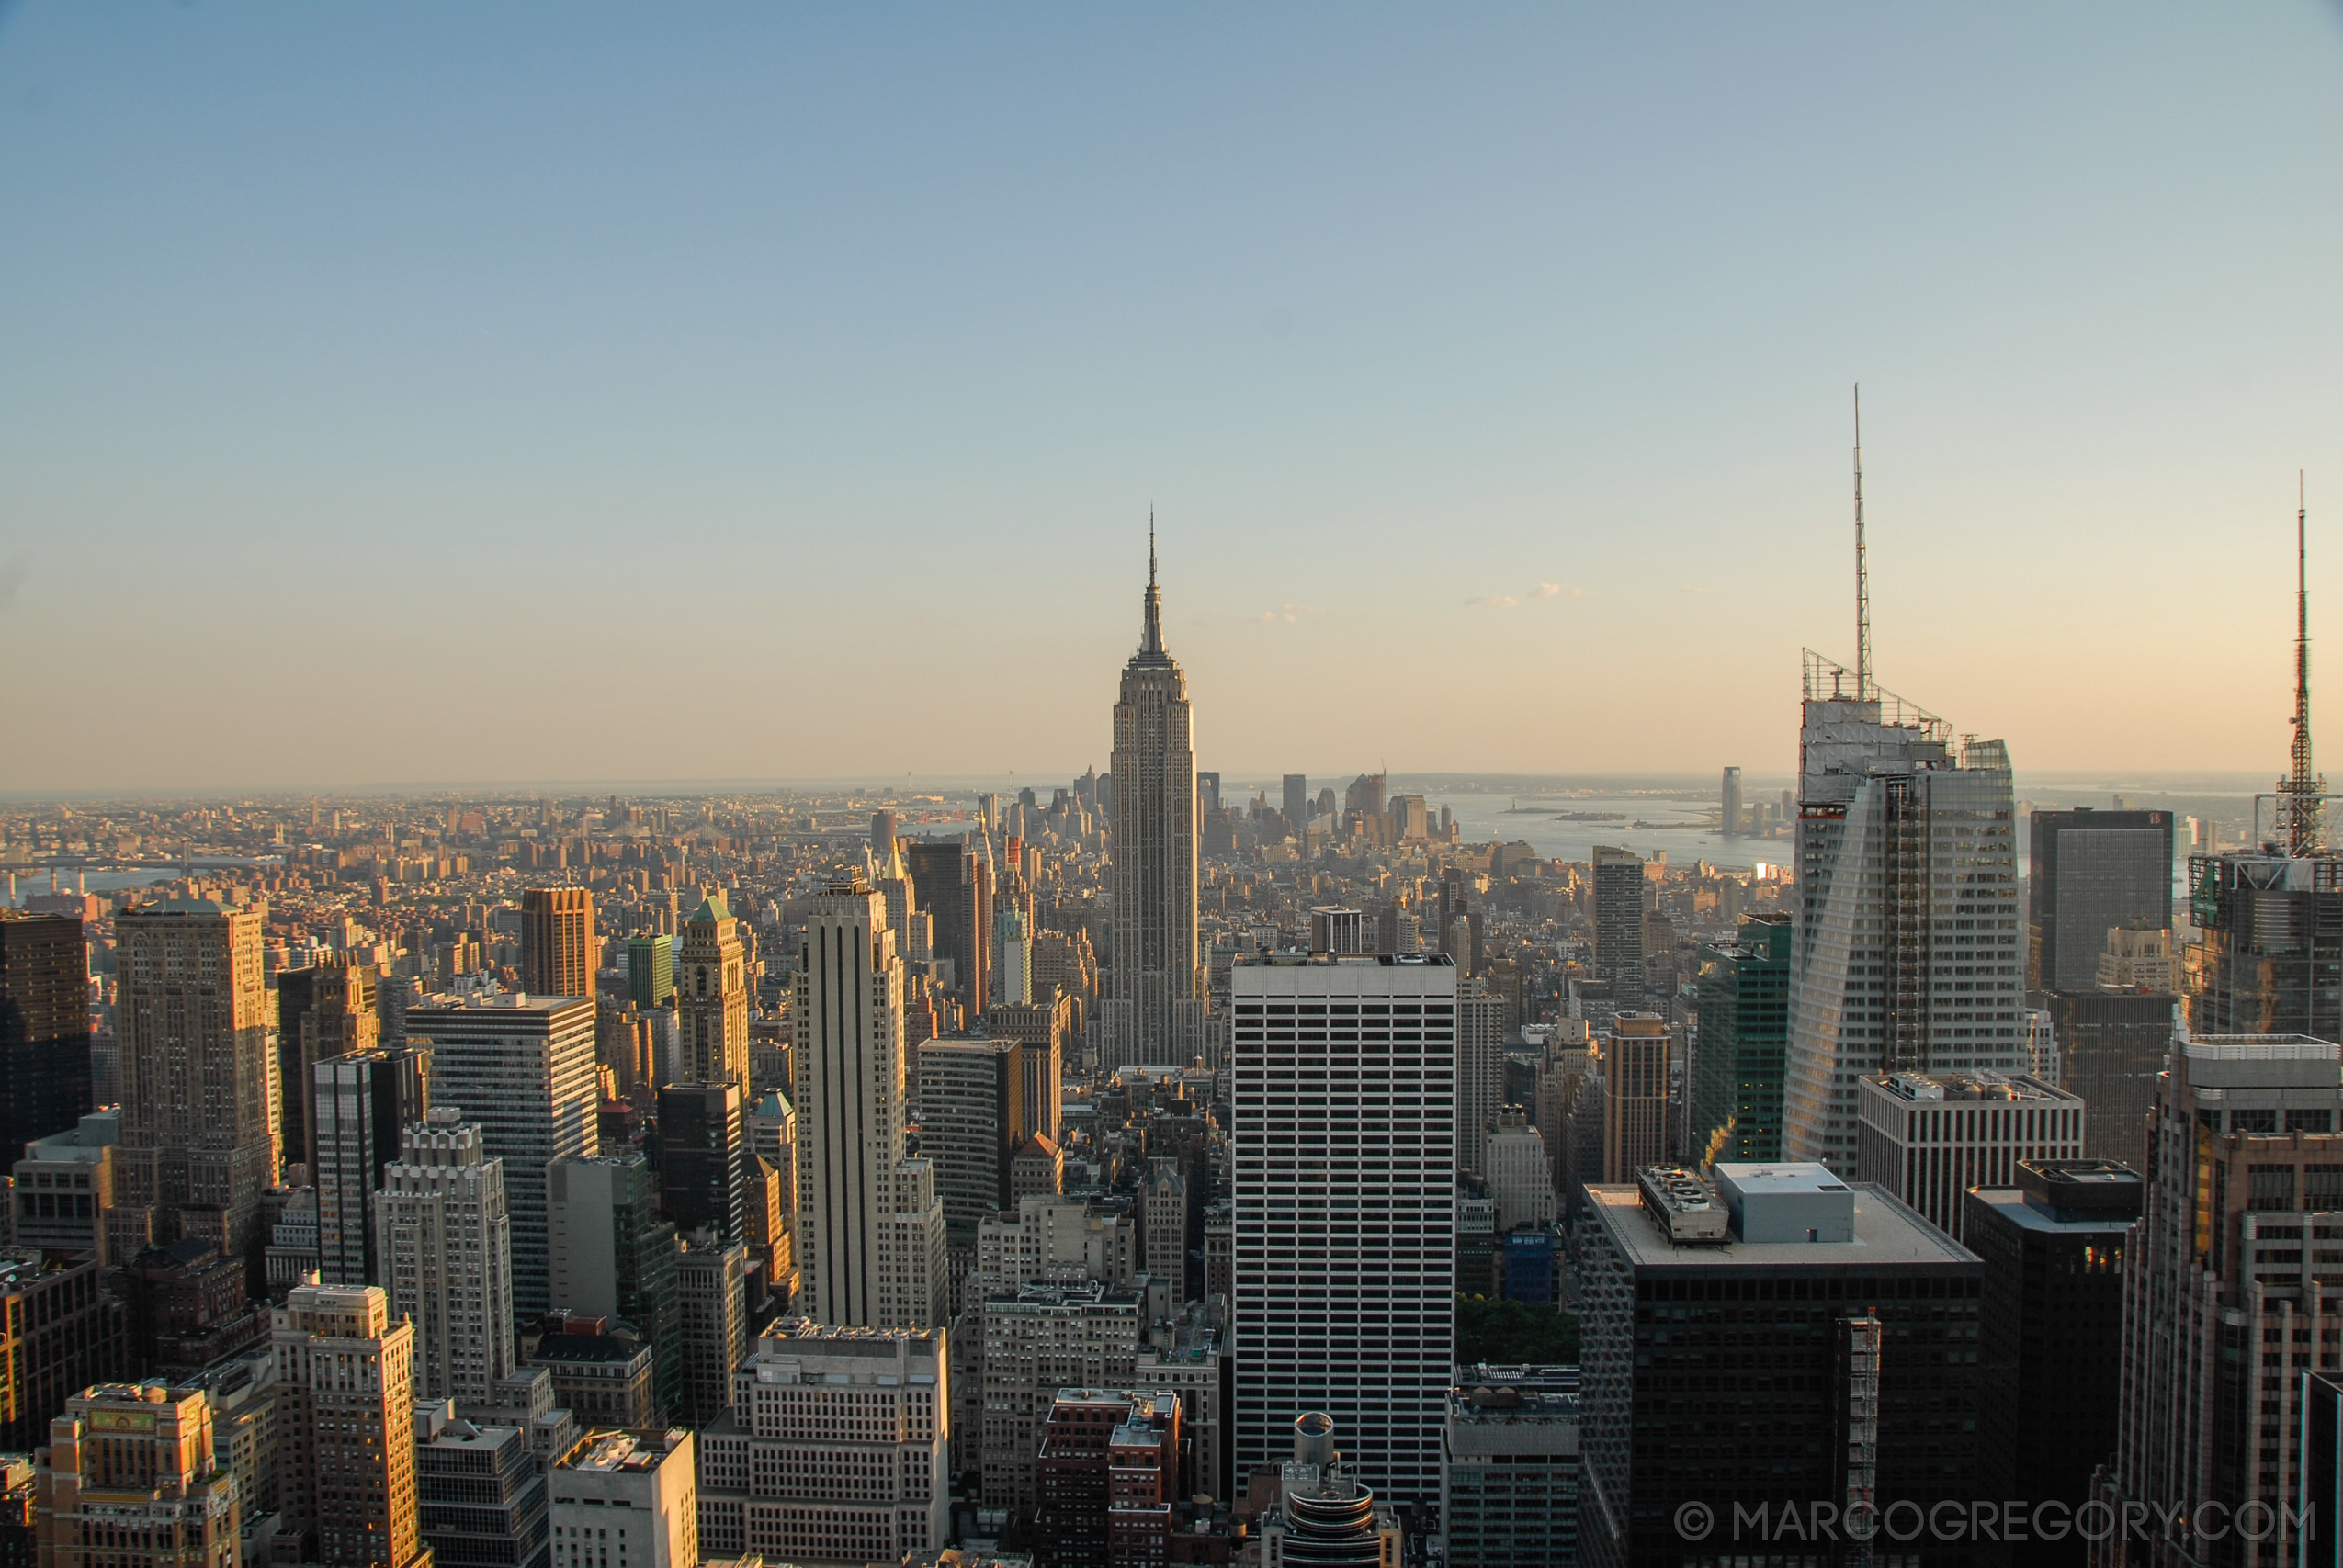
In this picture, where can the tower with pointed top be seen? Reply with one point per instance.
(712, 997)
(1907, 878)
(1154, 1012)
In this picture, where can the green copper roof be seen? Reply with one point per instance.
(712, 907)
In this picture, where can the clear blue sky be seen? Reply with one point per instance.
(513, 392)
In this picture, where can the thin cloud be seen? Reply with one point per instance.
(1286, 615)
(1497, 600)
(1548, 590)
(13, 572)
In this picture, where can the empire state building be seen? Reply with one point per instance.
(1154, 996)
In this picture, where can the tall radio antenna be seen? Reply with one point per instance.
(2299, 795)
(1862, 567)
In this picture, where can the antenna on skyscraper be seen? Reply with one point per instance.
(1863, 566)
(2300, 793)
(1150, 544)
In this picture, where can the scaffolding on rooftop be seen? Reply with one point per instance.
(1827, 681)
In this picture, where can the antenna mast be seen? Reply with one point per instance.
(2300, 794)
(1862, 567)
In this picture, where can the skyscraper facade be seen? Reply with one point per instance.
(969, 1102)
(651, 969)
(1909, 956)
(1729, 804)
(522, 1068)
(360, 1105)
(2228, 1294)
(322, 1011)
(192, 1020)
(813, 1402)
(711, 1301)
(2111, 1049)
(2089, 872)
(1619, 925)
(1038, 1037)
(1480, 1073)
(614, 1254)
(44, 1028)
(2268, 957)
(703, 1158)
(1345, 1224)
(1864, 1388)
(557, 941)
(712, 998)
(1743, 1041)
(61, 1328)
(1295, 803)
(446, 1247)
(1636, 1053)
(870, 1243)
(2050, 1354)
(954, 891)
(130, 1479)
(346, 1420)
(481, 1493)
(1930, 1137)
(618, 1483)
(1155, 995)
(1012, 976)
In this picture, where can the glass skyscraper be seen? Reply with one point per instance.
(1908, 955)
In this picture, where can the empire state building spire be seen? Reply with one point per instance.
(1151, 621)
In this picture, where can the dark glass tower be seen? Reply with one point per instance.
(2090, 872)
(44, 1028)
(703, 1159)
(2050, 1331)
(1742, 1055)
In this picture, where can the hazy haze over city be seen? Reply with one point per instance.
(539, 393)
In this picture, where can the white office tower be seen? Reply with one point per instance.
(447, 1246)
(1520, 1177)
(629, 1498)
(522, 1068)
(1909, 957)
(870, 1227)
(1012, 956)
(1155, 990)
(834, 1451)
(1343, 1136)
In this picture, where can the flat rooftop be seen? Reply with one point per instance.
(2011, 1203)
(489, 1004)
(1778, 1178)
(1525, 1424)
(1887, 1234)
(607, 1451)
(1980, 1087)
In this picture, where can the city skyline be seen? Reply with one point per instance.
(1499, 342)
(697, 1105)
